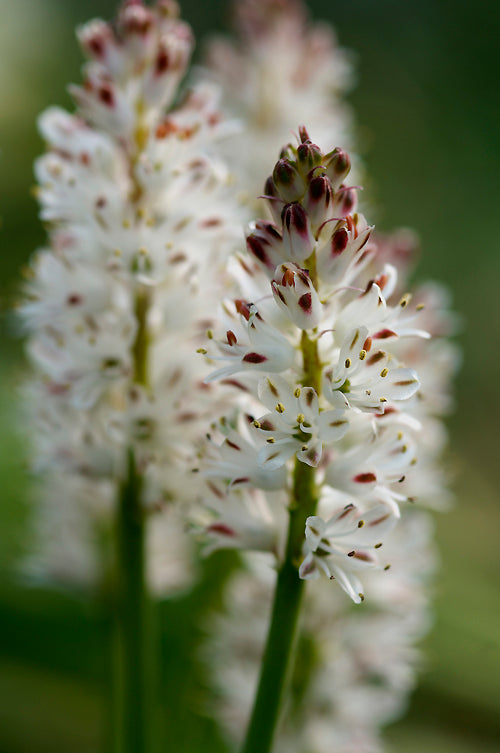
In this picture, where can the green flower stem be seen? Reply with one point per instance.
(133, 659)
(278, 655)
(136, 644)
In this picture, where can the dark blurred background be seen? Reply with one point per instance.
(428, 111)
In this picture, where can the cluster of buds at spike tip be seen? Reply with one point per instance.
(321, 354)
(306, 189)
(137, 64)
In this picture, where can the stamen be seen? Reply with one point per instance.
(361, 523)
(296, 392)
(271, 440)
(203, 351)
(301, 418)
(257, 424)
(377, 546)
(280, 408)
(384, 373)
(362, 355)
(348, 363)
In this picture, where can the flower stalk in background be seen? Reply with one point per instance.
(278, 69)
(138, 213)
(324, 441)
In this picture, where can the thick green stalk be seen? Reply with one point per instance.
(278, 655)
(136, 643)
(134, 678)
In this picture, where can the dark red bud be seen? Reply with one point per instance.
(288, 181)
(294, 217)
(304, 136)
(255, 246)
(345, 201)
(308, 156)
(337, 165)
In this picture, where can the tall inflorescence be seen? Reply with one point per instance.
(137, 210)
(279, 69)
(340, 394)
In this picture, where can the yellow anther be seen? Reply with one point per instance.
(143, 251)
(377, 546)
(304, 447)
(362, 355)
(383, 399)
(257, 424)
(271, 440)
(301, 418)
(348, 363)
(210, 334)
(117, 252)
(404, 448)
(203, 351)
(126, 224)
(420, 306)
(141, 213)
(384, 372)
(414, 461)
(387, 567)
(405, 300)
(361, 596)
(280, 408)
(400, 435)
(296, 392)
(361, 523)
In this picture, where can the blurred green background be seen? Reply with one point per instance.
(428, 109)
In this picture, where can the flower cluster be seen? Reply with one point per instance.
(313, 341)
(322, 290)
(140, 217)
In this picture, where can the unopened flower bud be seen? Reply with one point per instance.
(308, 156)
(338, 165)
(275, 202)
(298, 241)
(345, 201)
(134, 19)
(295, 295)
(288, 181)
(97, 39)
(317, 201)
(266, 244)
